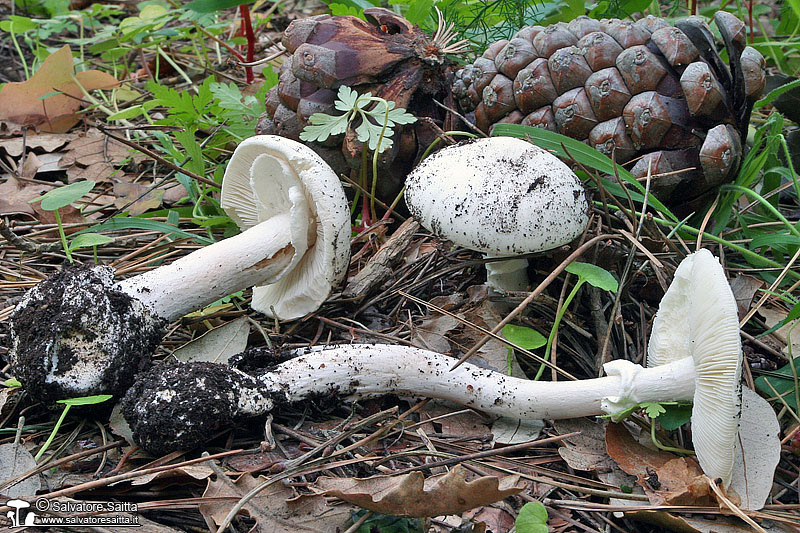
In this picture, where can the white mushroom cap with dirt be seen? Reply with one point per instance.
(82, 333)
(501, 196)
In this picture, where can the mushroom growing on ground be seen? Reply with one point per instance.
(181, 406)
(501, 196)
(80, 333)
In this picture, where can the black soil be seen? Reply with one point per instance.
(80, 305)
(178, 407)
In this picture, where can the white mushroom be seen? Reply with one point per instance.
(708, 375)
(295, 246)
(79, 333)
(698, 318)
(501, 196)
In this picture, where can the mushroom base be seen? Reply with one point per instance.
(75, 335)
(180, 406)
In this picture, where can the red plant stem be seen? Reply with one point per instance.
(251, 40)
(366, 219)
(750, 15)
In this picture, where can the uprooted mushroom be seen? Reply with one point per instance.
(181, 406)
(81, 333)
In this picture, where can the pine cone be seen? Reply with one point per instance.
(632, 89)
(387, 56)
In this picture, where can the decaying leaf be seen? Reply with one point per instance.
(587, 450)
(45, 142)
(276, 509)
(94, 148)
(665, 477)
(176, 474)
(16, 460)
(471, 424)
(217, 345)
(15, 196)
(51, 98)
(758, 452)
(120, 426)
(744, 289)
(700, 524)
(514, 431)
(412, 495)
(131, 192)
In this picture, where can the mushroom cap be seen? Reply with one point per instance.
(501, 196)
(698, 317)
(270, 175)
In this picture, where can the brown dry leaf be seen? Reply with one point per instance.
(411, 495)
(94, 148)
(68, 214)
(15, 196)
(127, 192)
(492, 518)
(30, 166)
(587, 450)
(471, 424)
(700, 524)
(744, 289)
(98, 172)
(275, 509)
(46, 142)
(176, 475)
(21, 102)
(431, 333)
(665, 477)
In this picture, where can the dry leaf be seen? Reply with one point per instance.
(30, 166)
(46, 142)
(94, 148)
(178, 474)
(758, 453)
(275, 509)
(128, 192)
(68, 214)
(665, 477)
(15, 196)
(99, 171)
(700, 524)
(515, 431)
(471, 424)
(411, 495)
(16, 460)
(430, 334)
(217, 345)
(744, 289)
(586, 451)
(22, 103)
(120, 426)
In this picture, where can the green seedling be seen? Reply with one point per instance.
(62, 197)
(524, 337)
(670, 415)
(16, 25)
(375, 130)
(86, 400)
(587, 273)
(532, 518)
(12, 383)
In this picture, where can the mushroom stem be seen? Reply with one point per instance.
(171, 401)
(256, 256)
(509, 275)
(373, 370)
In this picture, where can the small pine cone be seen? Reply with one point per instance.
(628, 89)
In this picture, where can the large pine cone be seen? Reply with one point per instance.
(387, 56)
(633, 89)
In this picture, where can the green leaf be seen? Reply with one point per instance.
(341, 10)
(322, 126)
(524, 337)
(674, 416)
(63, 196)
(776, 92)
(794, 314)
(131, 112)
(209, 6)
(653, 409)
(419, 10)
(17, 24)
(783, 385)
(532, 518)
(87, 400)
(346, 98)
(122, 223)
(89, 239)
(12, 382)
(594, 275)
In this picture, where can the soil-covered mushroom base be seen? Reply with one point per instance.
(76, 334)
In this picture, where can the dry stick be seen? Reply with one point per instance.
(488, 453)
(25, 244)
(152, 154)
(536, 292)
(128, 475)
